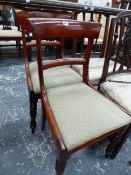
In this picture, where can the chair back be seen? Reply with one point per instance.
(59, 28)
(22, 14)
(119, 45)
(42, 28)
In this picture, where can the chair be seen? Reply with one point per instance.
(96, 63)
(52, 79)
(117, 84)
(6, 16)
(91, 15)
(7, 31)
(78, 115)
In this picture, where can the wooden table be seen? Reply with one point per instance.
(70, 6)
(63, 5)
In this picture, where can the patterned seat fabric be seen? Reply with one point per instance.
(54, 77)
(95, 69)
(82, 114)
(118, 88)
(10, 33)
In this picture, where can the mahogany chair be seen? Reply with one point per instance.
(78, 115)
(52, 79)
(116, 84)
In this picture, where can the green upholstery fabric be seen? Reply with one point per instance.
(118, 88)
(57, 76)
(95, 69)
(82, 114)
(10, 33)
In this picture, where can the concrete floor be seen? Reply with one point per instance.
(24, 153)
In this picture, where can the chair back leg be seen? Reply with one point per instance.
(33, 110)
(117, 142)
(43, 118)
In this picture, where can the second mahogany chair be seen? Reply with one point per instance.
(67, 75)
(78, 115)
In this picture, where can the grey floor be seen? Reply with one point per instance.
(23, 153)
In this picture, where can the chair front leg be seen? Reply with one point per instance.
(117, 142)
(62, 157)
(33, 110)
(61, 162)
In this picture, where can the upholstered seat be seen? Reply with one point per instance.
(79, 124)
(57, 76)
(9, 37)
(118, 88)
(78, 115)
(10, 33)
(95, 69)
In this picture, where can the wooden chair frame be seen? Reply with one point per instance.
(21, 20)
(118, 39)
(75, 29)
(115, 43)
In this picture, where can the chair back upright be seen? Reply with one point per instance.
(42, 29)
(118, 45)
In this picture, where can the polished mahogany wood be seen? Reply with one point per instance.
(64, 61)
(73, 29)
(76, 29)
(21, 20)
